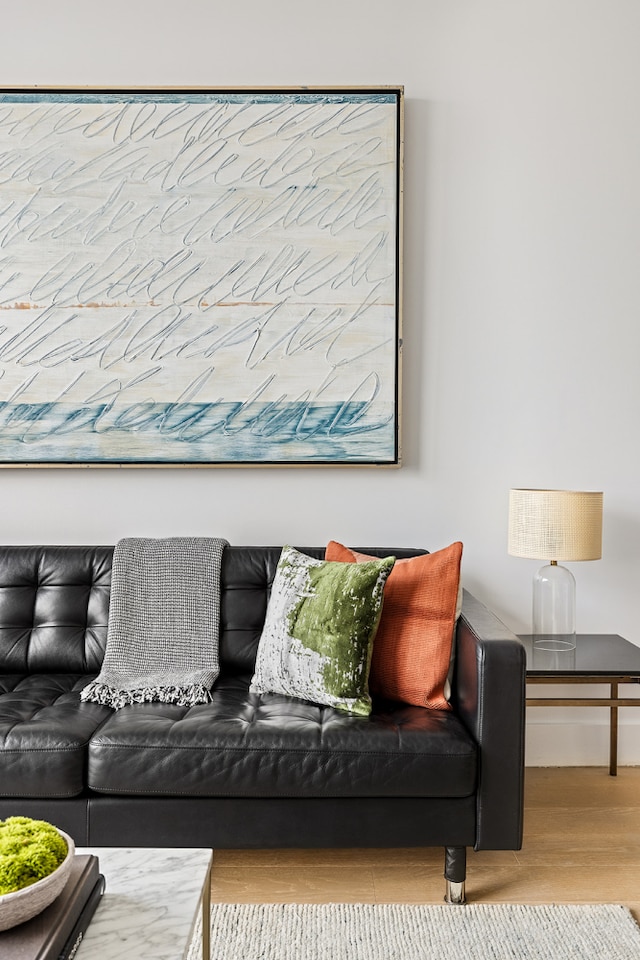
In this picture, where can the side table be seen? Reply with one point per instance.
(597, 658)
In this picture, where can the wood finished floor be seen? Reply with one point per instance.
(581, 845)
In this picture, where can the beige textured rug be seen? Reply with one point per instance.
(341, 931)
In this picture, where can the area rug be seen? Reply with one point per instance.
(342, 931)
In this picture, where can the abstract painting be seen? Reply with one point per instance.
(200, 277)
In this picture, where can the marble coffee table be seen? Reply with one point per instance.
(152, 902)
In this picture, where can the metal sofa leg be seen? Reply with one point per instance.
(455, 870)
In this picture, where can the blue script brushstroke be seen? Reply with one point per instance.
(278, 432)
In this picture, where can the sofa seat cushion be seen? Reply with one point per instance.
(44, 732)
(245, 744)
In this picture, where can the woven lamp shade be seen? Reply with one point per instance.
(555, 524)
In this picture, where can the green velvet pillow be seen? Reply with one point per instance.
(319, 629)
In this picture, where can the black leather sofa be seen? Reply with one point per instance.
(245, 770)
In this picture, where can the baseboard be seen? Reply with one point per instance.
(579, 744)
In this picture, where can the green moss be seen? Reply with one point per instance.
(29, 851)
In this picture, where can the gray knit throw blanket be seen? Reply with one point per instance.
(164, 622)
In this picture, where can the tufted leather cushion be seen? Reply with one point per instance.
(44, 731)
(54, 604)
(246, 745)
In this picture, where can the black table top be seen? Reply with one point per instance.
(595, 654)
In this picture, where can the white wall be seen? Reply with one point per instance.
(522, 284)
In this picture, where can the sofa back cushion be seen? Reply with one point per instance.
(54, 604)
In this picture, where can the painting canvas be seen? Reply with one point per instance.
(200, 277)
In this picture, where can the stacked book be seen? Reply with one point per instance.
(57, 932)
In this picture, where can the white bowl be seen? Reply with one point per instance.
(22, 905)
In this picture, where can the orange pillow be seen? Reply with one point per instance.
(412, 648)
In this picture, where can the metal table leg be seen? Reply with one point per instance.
(613, 733)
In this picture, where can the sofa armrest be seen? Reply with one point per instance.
(488, 693)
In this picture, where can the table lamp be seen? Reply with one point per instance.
(555, 525)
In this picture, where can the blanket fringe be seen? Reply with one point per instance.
(188, 696)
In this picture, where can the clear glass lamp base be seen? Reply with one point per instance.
(554, 608)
